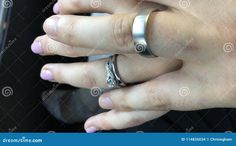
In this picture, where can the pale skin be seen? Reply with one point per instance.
(195, 70)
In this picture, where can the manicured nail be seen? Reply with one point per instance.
(50, 25)
(46, 75)
(36, 47)
(105, 102)
(56, 8)
(91, 130)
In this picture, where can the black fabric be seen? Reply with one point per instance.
(26, 110)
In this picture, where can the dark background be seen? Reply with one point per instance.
(24, 111)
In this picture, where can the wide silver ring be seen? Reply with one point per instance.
(139, 33)
(113, 77)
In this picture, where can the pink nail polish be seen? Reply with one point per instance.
(105, 102)
(46, 75)
(36, 47)
(56, 8)
(91, 130)
(50, 25)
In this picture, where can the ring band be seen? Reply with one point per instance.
(139, 33)
(113, 77)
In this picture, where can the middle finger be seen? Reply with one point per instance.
(166, 33)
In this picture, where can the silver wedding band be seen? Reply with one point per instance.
(139, 33)
(113, 77)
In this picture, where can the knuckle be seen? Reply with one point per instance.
(88, 76)
(61, 4)
(156, 100)
(121, 31)
(71, 52)
(66, 4)
(69, 25)
(183, 104)
(45, 45)
(134, 121)
(104, 123)
(50, 47)
(125, 105)
(58, 75)
(122, 95)
(76, 3)
(81, 6)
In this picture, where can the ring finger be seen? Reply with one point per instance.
(132, 69)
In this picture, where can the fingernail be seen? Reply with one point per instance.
(56, 8)
(36, 47)
(91, 130)
(105, 102)
(46, 75)
(50, 25)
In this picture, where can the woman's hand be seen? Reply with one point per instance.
(203, 35)
(187, 31)
(133, 68)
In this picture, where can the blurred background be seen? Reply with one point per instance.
(29, 104)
